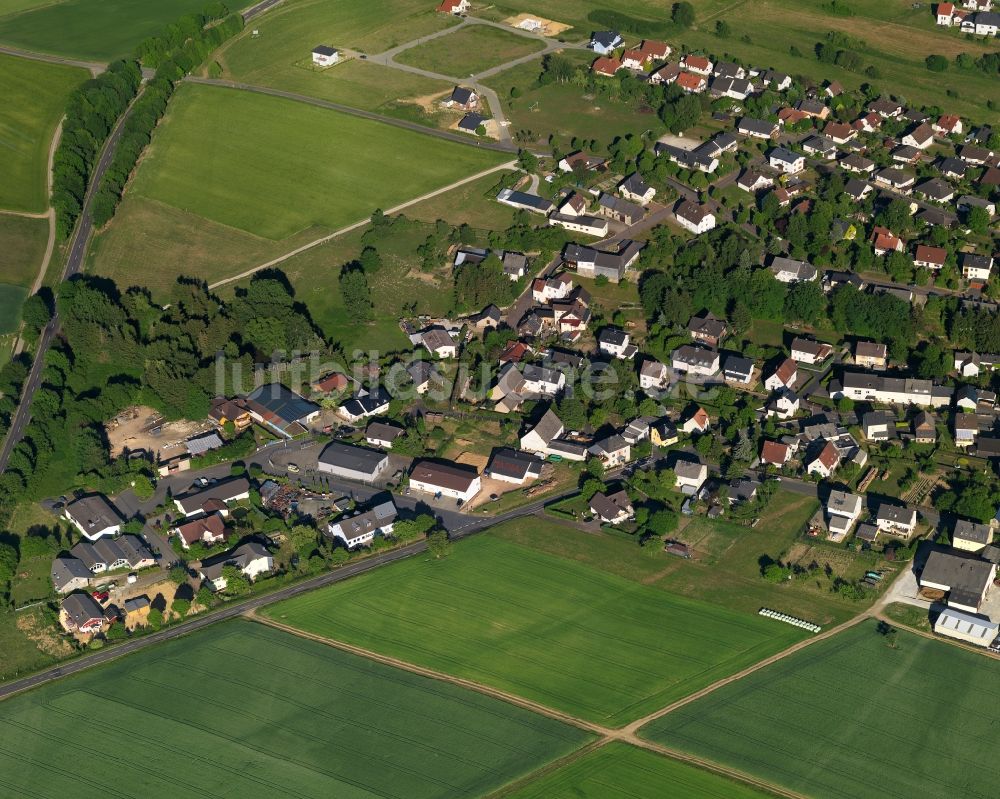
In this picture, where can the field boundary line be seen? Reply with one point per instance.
(633, 728)
(495, 693)
(508, 165)
(547, 768)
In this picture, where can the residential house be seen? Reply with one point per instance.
(557, 287)
(971, 536)
(324, 55)
(871, 355)
(757, 128)
(80, 613)
(966, 427)
(784, 404)
(225, 411)
(605, 42)
(616, 343)
(422, 374)
(445, 479)
(471, 123)
(653, 375)
(857, 190)
(936, 190)
(280, 410)
(348, 462)
(812, 108)
(842, 511)
(786, 161)
(735, 88)
(365, 404)
(895, 179)
(690, 476)
(788, 270)
(691, 83)
(545, 438)
(878, 425)
(707, 329)
(752, 181)
(380, 434)
(111, 554)
(896, 390)
(966, 578)
(885, 241)
(839, 132)
(896, 520)
(70, 574)
(620, 210)
(807, 350)
(825, 461)
(635, 188)
(637, 430)
(209, 530)
(695, 361)
(360, 529)
(600, 263)
(924, 428)
(857, 163)
(967, 364)
(783, 376)
(454, 6)
(821, 147)
(513, 466)
(581, 223)
(696, 422)
(697, 64)
(94, 516)
(214, 498)
(613, 451)
(580, 160)
(976, 268)
(613, 508)
(774, 453)
(251, 558)
(739, 370)
(464, 98)
(606, 66)
(921, 137)
(695, 217)
(136, 612)
(438, 342)
(663, 433)
(886, 108)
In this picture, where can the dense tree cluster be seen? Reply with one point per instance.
(174, 53)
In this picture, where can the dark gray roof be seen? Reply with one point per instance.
(758, 126)
(284, 404)
(524, 198)
(223, 491)
(613, 336)
(93, 513)
(606, 38)
(783, 154)
(971, 531)
(355, 459)
(959, 572)
(635, 184)
(383, 432)
(514, 463)
(471, 121)
(737, 364)
(65, 570)
(136, 603)
(81, 608)
(370, 520)
(461, 95)
(324, 49)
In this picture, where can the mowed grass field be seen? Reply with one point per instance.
(273, 167)
(852, 718)
(22, 247)
(469, 51)
(591, 644)
(620, 771)
(243, 710)
(99, 30)
(34, 99)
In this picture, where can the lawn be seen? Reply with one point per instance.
(11, 300)
(578, 639)
(467, 205)
(100, 30)
(22, 247)
(274, 167)
(28, 642)
(246, 710)
(852, 718)
(726, 569)
(574, 12)
(620, 771)
(34, 95)
(565, 110)
(469, 51)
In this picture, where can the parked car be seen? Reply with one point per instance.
(100, 596)
(293, 468)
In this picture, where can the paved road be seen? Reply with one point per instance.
(260, 8)
(74, 264)
(94, 67)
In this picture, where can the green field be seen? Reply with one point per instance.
(34, 95)
(726, 566)
(469, 51)
(620, 771)
(274, 167)
(11, 300)
(245, 710)
(22, 247)
(851, 718)
(565, 635)
(100, 30)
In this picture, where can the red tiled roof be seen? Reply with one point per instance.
(786, 371)
(774, 452)
(934, 255)
(696, 62)
(606, 66)
(687, 80)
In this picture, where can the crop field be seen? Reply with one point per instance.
(34, 100)
(592, 644)
(620, 771)
(245, 710)
(852, 717)
(274, 167)
(22, 247)
(101, 30)
(11, 300)
(469, 51)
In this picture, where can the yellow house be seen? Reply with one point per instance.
(663, 433)
(970, 536)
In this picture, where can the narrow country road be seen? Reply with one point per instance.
(361, 223)
(94, 67)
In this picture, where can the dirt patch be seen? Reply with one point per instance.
(141, 427)
(472, 459)
(42, 636)
(430, 103)
(537, 24)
